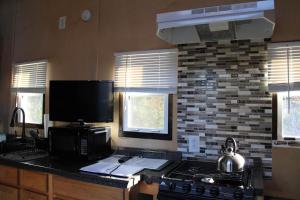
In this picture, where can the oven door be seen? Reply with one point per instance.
(162, 195)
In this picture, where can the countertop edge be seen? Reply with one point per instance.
(80, 176)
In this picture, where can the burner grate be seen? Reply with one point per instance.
(197, 170)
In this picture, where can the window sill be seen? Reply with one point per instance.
(27, 125)
(286, 143)
(142, 135)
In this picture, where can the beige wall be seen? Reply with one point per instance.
(7, 10)
(286, 176)
(84, 50)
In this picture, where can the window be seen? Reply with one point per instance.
(284, 82)
(284, 66)
(29, 84)
(146, 112)
(33, 106)
(146, 81)
(288, 114)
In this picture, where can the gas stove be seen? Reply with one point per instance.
(200, 180)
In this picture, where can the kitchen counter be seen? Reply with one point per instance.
(70, 169)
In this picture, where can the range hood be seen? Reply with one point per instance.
(225, 22)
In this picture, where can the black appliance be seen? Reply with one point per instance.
(87, 143)
(81, 101)
(200, 180)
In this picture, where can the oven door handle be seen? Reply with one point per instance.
(162, 195)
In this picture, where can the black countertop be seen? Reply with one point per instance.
(70, 168)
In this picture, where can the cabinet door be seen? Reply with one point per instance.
(26, 195)
(64, 187)
(9, 175)
(34, 181)
(8, 193)
(63, 198)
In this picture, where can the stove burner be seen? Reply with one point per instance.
(208, 180)
(207, 172)
(194, 179)
(193, 170)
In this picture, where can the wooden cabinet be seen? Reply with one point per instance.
(27, 195)
(63, 198)
(20, 184)
(149, 189)
(82, 190)
(8, 175)
(34, 181)
(8, 193)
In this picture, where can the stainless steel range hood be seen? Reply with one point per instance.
(225, 22)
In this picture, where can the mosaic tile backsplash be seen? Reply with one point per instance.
(222, 91)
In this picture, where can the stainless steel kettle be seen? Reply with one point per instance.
(230, 161)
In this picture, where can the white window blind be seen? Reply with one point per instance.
(29, 77)
(146, 71)
(284, 66)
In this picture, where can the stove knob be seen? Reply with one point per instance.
(186, 187)
(214, 191)
(200, 189)
(172, 186)
(238, 194)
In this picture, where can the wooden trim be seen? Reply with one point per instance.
(274, 116)
(150, 189)
(50, 186)
(34, 181)
(125, 194)
(121, 114)
(32, 126)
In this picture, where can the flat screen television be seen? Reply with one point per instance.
(81, 101)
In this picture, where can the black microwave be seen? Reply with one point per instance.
(87, 143)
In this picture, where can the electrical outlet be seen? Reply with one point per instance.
(194, 143)
(62, 22)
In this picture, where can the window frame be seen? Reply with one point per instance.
(146, 135)
(277, 120)
(31, 125)
(38, 79)
(274, 117)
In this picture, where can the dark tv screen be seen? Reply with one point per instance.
(81, 101)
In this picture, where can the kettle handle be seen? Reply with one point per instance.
(230, 139)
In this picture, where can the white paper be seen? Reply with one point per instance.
(146, 163)
(100, 167)
(105, 166)
(111, 166)
(126, 170)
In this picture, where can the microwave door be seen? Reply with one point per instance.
(64, 144)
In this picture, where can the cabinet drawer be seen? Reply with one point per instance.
(8, 193)
(81, 190)
(34, 180)
(63, 198)
(26, 195)
(9, 175)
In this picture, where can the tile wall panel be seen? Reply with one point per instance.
(222, 91)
